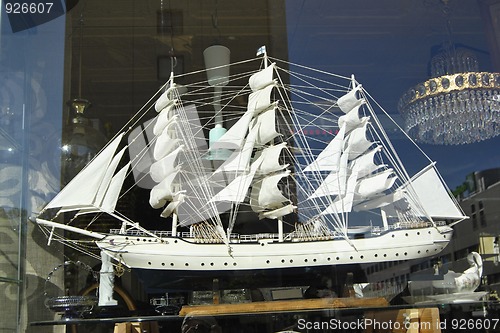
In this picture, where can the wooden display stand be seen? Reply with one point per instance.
(347, 301)
(425, 320)
(280, 306)
(140, 327)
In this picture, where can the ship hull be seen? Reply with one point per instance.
(174, 253)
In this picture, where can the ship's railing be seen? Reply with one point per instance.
(257, 237)
(293, 236)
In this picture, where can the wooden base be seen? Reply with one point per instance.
(277, 306)
(142, 327)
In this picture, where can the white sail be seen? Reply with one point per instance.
(240, 160)
(107, 195)
(279, 212)
(267, 160)
(343, 203)
(105, 184)
(234, 137)
(351, 119)
(336, 181)
(262, 78)
(167, 141)
(381, 201)
(424, 193)
(111, 198)
(350, 100)
(172, 206)
(329, 158)
(376, 184)
(266, 194)
(167, 165)
(237, 190)
(166, 99)
(142, 143)
(357, 142)
(164, 118)
(432, 195)
(366, 163)
(265, 126)
(140, 153)
(197, 209)
(332, 185)
(258, 101)
(163, 192)
(81, 191)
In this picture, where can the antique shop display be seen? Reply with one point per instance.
(305, 175)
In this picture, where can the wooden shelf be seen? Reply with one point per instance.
(281, 306)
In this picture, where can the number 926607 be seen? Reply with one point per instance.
(28, 7)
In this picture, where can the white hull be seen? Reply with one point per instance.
(173, 253)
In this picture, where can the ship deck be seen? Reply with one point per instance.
(295, 236)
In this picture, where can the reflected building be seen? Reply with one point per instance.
(479, 197)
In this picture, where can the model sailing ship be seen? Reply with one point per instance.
(266, 166)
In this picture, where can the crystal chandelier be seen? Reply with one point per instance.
(457, 105)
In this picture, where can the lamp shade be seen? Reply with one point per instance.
(217, 59)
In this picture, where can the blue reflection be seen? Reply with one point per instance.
(389, 54)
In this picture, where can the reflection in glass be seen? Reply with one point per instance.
(81, 140)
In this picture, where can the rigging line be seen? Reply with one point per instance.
(306, 146)
(399, 127)
(144, 109)
(65, 241)
(198, 189)
(199, 185)
(297, 116)
(209, 119)
(302, 93)
(383, 137)
(316, 203)
(397, 164)
(233, 213)
(202, 87)
(204, 95)
(325, 109)
(306, 181)
(336, 87)
(290, 110)
(309, 122)
(394, 158)
(196, 213)
(323, 114)
(310, 85)
(232, 64)
(323, 128)
(311, 69)
(342, 173)
(194, 158)
(148, 144)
